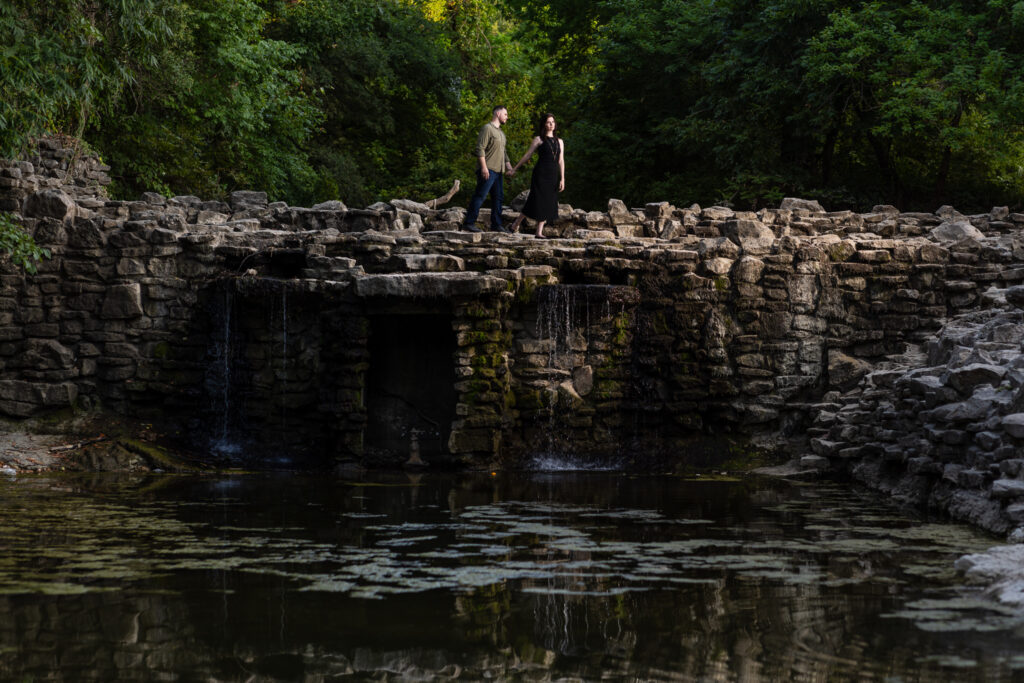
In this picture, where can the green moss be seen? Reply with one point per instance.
(157, 456)
(488, 360)
(659, 323)
(621, 326)
(476, 311)
(161, 350)
(722, 283)
(530, 400)
(527, 292)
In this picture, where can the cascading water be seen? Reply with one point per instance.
(284, 357)
(219, 381)
(566, 315)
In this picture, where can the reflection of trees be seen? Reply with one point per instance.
(568, 621)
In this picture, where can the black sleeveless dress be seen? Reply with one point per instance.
(542, 203)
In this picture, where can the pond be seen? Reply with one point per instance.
(545, 576)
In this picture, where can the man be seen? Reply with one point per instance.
(492, 161)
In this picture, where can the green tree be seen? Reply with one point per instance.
(221, 107)
(63, 61)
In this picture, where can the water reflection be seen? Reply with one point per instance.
(539, 577)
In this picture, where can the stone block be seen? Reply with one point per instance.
(122, 302)
(1014, 425)
(49, 204)
(1007, 488)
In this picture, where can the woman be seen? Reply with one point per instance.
(548, 178)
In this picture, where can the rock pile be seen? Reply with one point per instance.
(942, 424)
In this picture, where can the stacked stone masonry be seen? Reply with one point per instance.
(634, 330)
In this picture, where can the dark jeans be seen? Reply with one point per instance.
(494, 186)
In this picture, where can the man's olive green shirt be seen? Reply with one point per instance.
(490, 145)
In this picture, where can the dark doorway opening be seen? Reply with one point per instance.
(410, 387)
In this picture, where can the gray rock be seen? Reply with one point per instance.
(814, 462)
(428, 285)
(122, 302)
(1014, 425)
(966, 377)
(411, 206)
(583, 380)
(753, 237)
(1015, 295)
(617, 209)
(844, 372)
(952, 232)
(793, 203)
(1007, 488)
(330, 205)
(48, 204)
(242, 199)
(748, 269)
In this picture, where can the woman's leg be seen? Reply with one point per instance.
(516, 223)
(540, 229)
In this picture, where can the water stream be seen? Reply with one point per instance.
(545, 576)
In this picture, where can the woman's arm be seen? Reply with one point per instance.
(561, 163)
(534, 144)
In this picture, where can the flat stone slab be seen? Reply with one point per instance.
(429, 285)
(1001, 568)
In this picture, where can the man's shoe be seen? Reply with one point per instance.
(500, 228)
(471, 228)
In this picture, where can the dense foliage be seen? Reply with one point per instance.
(855, 103)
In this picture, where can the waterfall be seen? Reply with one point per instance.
(565, 325)
(220, 379)
(284, 357)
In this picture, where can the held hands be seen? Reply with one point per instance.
(512, 169)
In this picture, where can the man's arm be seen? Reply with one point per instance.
(480, 151)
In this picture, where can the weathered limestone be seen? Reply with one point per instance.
(893, 338)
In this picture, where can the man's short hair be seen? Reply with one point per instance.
(498, 108)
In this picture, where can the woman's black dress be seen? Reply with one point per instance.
(542, 203)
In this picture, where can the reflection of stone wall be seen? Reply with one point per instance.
(661, 322)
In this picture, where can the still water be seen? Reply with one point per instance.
(581, 576)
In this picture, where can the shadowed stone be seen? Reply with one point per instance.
(48, 204)
(123, 301)
(965, 378)
(963, 411)
(1014, 425)
(429, 285)
(1007, 488)
(845, 371)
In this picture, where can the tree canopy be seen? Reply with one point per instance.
(855, 103)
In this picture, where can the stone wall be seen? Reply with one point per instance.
(251, 326)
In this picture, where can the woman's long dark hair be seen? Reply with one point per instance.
(541, 122)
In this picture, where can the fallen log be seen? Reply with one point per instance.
(445, 198)
(79, 444)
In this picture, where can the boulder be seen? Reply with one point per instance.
(248, 199)
(954, 231)
(583, 380)
(965, 378)
(1014, 425)
(1007, 488)
(330, 205)
(753, 237)
(48, 204)
(844, 372)
(793, 203)
(411, 206)
(122, 302)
